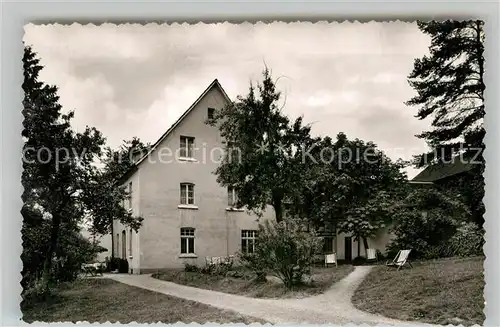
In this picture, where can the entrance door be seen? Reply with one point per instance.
(348, 248)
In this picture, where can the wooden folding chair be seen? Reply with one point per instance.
(330, 259)
(400, 260)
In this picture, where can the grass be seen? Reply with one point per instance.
(323, 278)
(102, 300)
(447, 291)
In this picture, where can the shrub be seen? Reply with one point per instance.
(191, 268)
(118, 264)
(426, 222)
(220, 268)
(35, 293)
(284, 250)
(381, 256)
(467, 241)
(252, 262)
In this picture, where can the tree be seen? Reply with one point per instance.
(450, 89)
(264, 141)
(60, 177)
(426, 220)
(351, 186)
(105, 187)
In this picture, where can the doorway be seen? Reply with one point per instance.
(348, 248)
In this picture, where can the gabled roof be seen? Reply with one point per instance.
(441, 171)
(215, 83)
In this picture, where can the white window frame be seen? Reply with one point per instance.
(246, 236)
(188, 150)
(188, 233)
(185, 199)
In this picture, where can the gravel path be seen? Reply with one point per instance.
(332, 307)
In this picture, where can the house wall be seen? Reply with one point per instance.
(133, 254)
(217, 231)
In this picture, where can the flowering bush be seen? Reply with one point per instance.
(284, 250)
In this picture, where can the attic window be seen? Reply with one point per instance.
(210, 113)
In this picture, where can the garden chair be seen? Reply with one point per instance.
(400, 260)
(371, 255)
(330, 259)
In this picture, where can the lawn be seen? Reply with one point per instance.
(102, 300)
(447, 291)
(323, 278)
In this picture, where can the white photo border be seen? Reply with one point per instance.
(16, 14)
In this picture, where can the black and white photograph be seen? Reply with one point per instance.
(279, 172)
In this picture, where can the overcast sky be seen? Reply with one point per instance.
(134, 80)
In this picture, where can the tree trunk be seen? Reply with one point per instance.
(365, 243)
(47, 265)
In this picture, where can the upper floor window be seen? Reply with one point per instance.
(210, 113)
(187, 147)
(187, 193)
(232, 197)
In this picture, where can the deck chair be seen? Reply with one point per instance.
(400, 260)
(330, 259)
(371, 255)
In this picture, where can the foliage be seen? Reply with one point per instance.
(468, 240)
(425, 222)
(191, 268)
(219, 268)
(110, 194)
(285, 250)
(118, 264)
(253, 262)
(260, 143)
(62, 184)
(351, 186)
(72, 250)
(450, 89)
(35, 292)
(450, 84)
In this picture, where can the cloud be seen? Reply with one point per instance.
(134, 80)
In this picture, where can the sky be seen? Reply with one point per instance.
(136, 80)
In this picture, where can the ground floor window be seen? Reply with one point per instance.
(187, 240)
(117, 248)
(248, 238)
(124, 245)
(130, 243)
